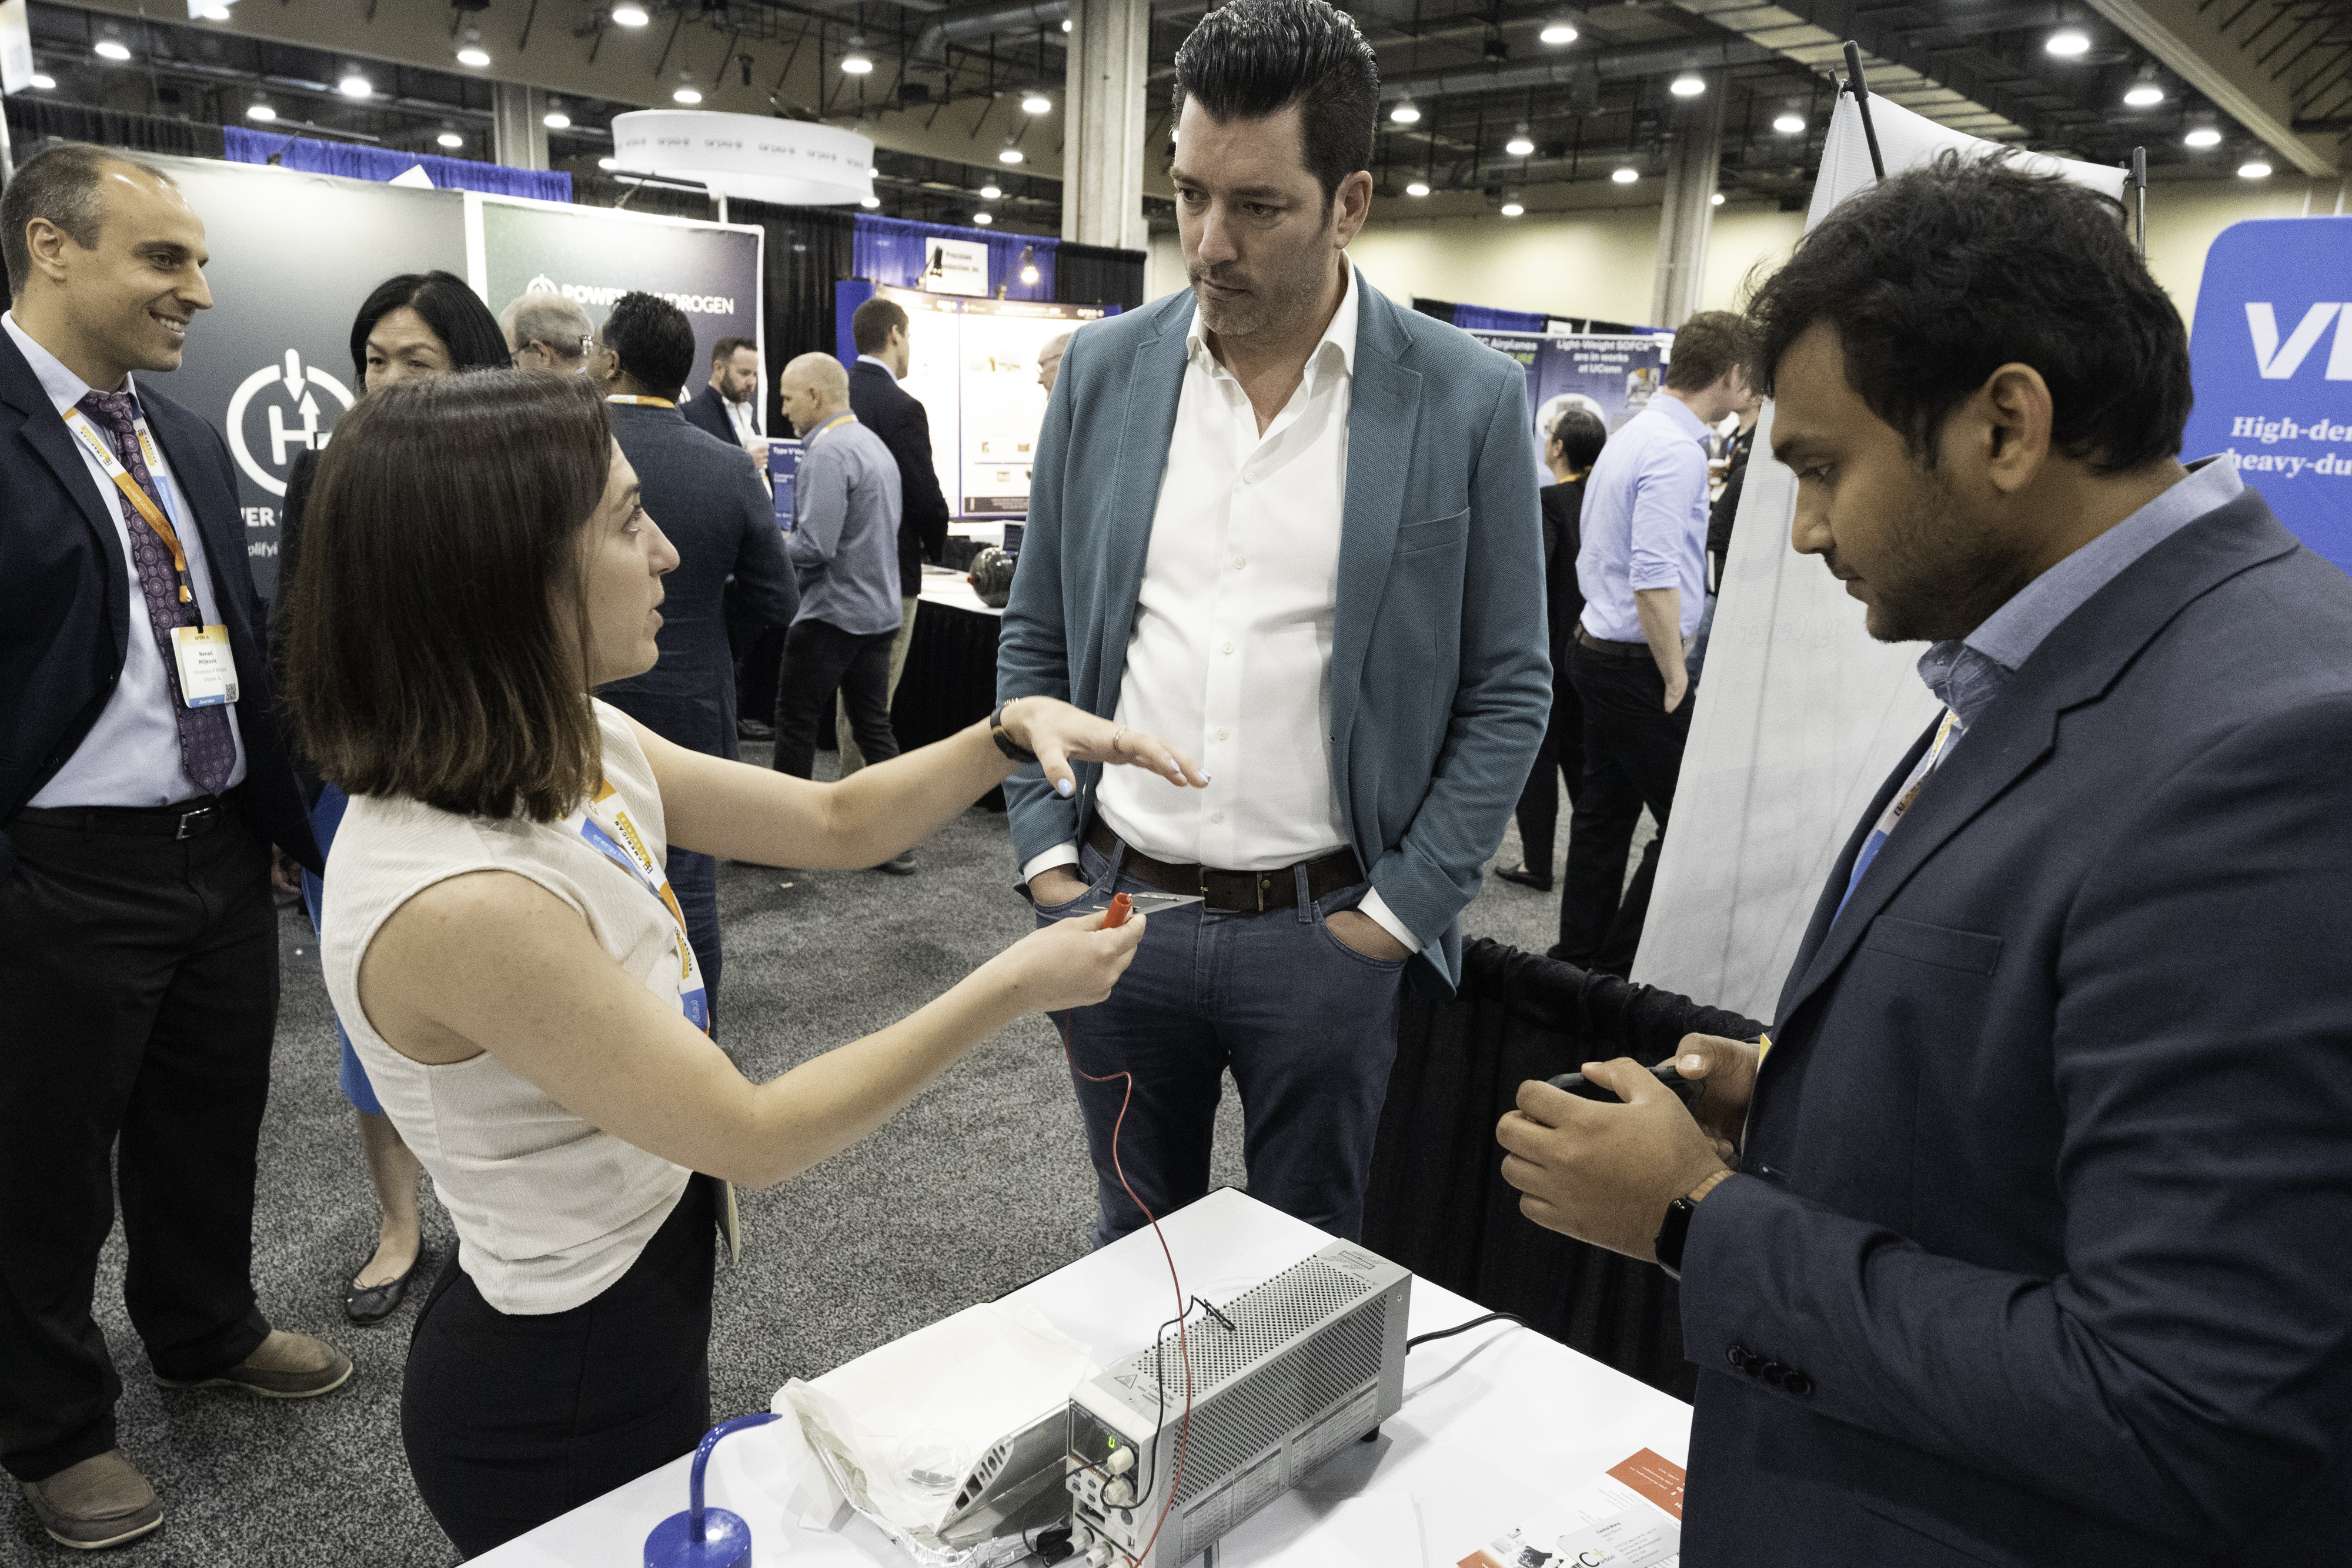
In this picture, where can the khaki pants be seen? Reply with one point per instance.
(852, 759)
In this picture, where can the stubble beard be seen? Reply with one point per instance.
(1274, 304)
(1947, 575)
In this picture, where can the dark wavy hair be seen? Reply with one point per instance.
(1582, 436)
(1938, 276)
(455, 313)
(1254, 59)
(437, 639)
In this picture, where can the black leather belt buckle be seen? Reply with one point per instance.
(196, 821)
(1248, 888)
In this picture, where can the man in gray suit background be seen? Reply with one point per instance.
(708, 498)
(1293, 528)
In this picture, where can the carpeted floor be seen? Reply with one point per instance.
(980, 1185)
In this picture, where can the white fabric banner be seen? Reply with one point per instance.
(1800, 713)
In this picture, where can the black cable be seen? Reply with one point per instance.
(1465, 1328)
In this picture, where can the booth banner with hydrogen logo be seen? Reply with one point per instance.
(270, 365)
(2272, 362)
(593, 255)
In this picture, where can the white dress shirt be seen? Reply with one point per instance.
(743, 416)
(132, 755)
(1230, 654)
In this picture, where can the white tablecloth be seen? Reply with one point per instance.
(1496, 1422)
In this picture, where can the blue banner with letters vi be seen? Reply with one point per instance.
(2272, 353)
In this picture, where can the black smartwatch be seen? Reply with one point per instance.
(1005, 743)
(1675, 1231)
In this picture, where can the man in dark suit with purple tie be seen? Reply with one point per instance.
(142, 784)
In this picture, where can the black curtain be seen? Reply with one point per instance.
(1437, 1202)
(1440, 308)
(1097, 274)
(34, 121)
(808, 251)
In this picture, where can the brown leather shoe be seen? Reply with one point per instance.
(101, 1501)
(283, 1366)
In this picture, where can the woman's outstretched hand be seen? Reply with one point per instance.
(1068, 964)
(1061, 735)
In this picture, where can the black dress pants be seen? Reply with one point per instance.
(1632, 755)
(138, 998)
(510, 1419)
(821, 659)
(1562, 751)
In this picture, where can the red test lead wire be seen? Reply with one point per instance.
(1121, 906)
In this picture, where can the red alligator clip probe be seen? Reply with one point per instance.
(1121, 906)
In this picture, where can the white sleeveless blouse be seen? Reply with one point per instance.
(549, 1210)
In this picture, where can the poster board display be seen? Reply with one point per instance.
(783, 470)
(593, 255)
(973, 364)
(1613, 377)
(2272, 369)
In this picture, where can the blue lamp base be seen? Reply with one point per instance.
(726, 1541)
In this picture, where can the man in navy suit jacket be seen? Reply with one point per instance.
(2037, 1251)
(138, 936)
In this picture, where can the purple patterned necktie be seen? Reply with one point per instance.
(207, 744)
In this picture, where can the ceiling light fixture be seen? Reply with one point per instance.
(2203, 136)
(608, 164)
(990, 191)
(1065, 24)
(870, 202)
(687, 94)
(1404, 113)
(1520, 146)
(1512, 209)
(1716, 200)
(1690, 84)
(1028, 263)
(984, 219)
(208, 10)
(2068, 42)
(1010, 155)
(1416, 189)
(111, 49)
(354, 85)
(43, 80)
(555, 118)
(261, 112)
(450, 138)
(2146, 91)
(1037, 103)
(1625, 176)
(474, 55)
(630, 15)
(1559, 31)
(1790, 124)
(2253, 168)
(857, 62)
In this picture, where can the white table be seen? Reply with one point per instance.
(1496, 1422)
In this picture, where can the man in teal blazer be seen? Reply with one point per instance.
(1293, 528)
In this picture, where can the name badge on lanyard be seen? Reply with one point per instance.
(206, 668)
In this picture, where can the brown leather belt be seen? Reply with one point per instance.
(1231, 891)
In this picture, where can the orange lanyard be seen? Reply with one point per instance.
(632, 397)
(103, 450)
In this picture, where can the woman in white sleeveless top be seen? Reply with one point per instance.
(502, 946)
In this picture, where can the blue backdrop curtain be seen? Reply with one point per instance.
(380, 164)
(890, 250)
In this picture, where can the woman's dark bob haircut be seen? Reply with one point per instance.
(455, 313)
(438, 644)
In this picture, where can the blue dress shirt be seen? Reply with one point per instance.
(1644, 522)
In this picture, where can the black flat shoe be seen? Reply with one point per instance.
(373, 1304)
(1523, 877)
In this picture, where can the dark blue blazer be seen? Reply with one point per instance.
(896, 415)
(2041, 1252)
(65, 603)
(707, 412)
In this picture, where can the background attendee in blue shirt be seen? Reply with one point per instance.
(844, 549)
(1642, 563)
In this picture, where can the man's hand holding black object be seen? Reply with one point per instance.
(1602, 1173)
(1729, 1068)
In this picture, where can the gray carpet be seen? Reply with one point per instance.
(977, 1187)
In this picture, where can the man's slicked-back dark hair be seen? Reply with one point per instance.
(59, 183)
(654, 340)
(1940, 276)
(1254, 59)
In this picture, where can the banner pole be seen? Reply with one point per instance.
(1861, 90)
(2140, 196)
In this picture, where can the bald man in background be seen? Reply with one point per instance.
(845, 549)
(1049, 361)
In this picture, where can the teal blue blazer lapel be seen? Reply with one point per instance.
(1384, 411)
(1154, 383)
